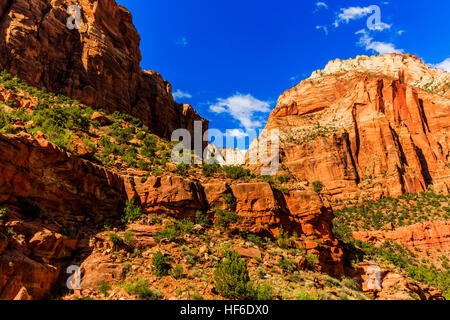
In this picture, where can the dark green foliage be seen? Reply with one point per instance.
(115, 239)
(202, 218)
(237, 172)
(209, 169)
(70, 232)
(140, 289)
(177, 272)
(149, 146)
(160, 265)
(318, 186)
(173, 231)
(224, 217)
(131, 212)
(231, 278)
(182, 169)
(104, 288)
(230, 201)
(284, 178)
(286, 264)
(127, 118)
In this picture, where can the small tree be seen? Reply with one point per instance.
(160, 265)
(231, 277)
(131, 213)
(318, 186)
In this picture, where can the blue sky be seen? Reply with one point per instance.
(232, 59)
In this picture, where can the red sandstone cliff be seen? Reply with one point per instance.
(373, 126)
(97, 64)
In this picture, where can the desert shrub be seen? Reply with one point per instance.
(104, 289)
(305, 295)
(318, 186)
(122, 135)
(127, 118)
(284, 178)
(182, 169)
(283, 240)
(231, 277)
(255, 239)
(149, 146)
(209, 169)
(311, 260)
(160, 265)
(131, 212)
(287, 265)
(115, 239)
(236, 172)
(175, 230)
(263, 292)
(224, 217)
(128, 237)
(140, 289)
(230, 201)
(110, 147)
(177, 272)
(202, 218)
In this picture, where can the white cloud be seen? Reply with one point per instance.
(238, 133)
(400, 32)
(182, 42)
(355, 13)
(324, 28)
(242, 108)
(351, 13)
(180, 94)
(444, 65)
(321, 4)
(379, 47)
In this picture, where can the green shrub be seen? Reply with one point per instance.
(115, 239)
(318, 186)
(202, 218)
(284, 178)
(128, 237)
(236, 172)
(182, 169)
(263, 292)
(230, 201)
(311, 260)
(224, 217)
(177, 272)
(149, 146)
(287, 265)
(231, 278)
(104, 288)
(160, 265)
(304, 295)
(131, 213)
(209, 169)
(140, 289)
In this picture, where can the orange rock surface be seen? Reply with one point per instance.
(368, 126)
(97, 64)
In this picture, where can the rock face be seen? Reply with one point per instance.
(424, 236)
(264, 210)
(97, 64)
(384, 284)
(368, 126)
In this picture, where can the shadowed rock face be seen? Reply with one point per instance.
(365, 127)
(97, 64)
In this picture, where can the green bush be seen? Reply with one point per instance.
(304, 295)
(236, 172)
(128, 237)
(104, 288)
(140, 289)
(224, 217)
(160, 264)
(115, 239)
(182, 169)
(284, 178)
(263, 292)
(318, 186)
(149, 146)
(209, 169)
(177, 272)
(202, 218)
(131, 213)
(231, 278)
(230, 201)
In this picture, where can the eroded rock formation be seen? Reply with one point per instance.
(368, 126)
(97, 64)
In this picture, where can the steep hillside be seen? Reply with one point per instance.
(97, 64)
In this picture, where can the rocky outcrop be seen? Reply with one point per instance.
(429, 236)
(97, 64)
(366, 130)
(265, 209)
(384, 284)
